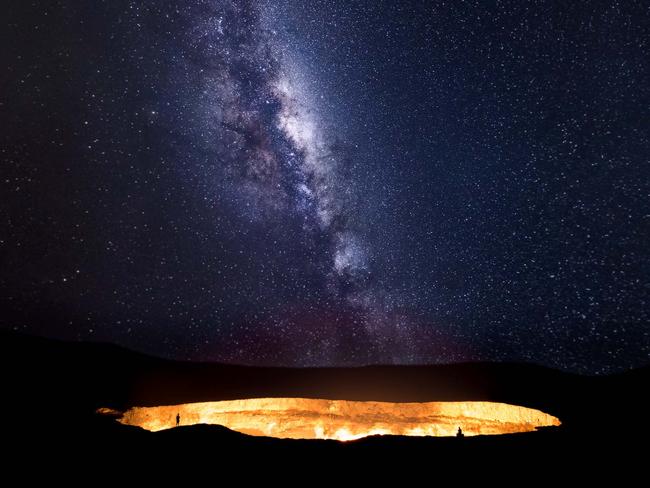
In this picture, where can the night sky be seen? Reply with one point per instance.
(333, 182)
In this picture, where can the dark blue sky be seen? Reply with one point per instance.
(330, 182)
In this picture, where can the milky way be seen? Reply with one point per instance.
(280, 161)
(329, 182)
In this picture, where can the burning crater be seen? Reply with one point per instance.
(302, 418)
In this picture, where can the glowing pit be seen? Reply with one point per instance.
(302, 418)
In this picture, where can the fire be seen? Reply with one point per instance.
(303, 418)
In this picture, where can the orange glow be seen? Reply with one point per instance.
(302, 418)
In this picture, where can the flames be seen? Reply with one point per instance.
(303, 418)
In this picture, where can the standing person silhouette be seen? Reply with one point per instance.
(178, 419)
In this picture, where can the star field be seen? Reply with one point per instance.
(329, 182)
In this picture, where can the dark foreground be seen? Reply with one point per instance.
(53, 388)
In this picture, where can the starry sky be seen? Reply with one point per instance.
(329, 182)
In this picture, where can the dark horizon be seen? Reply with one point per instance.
(51, 343)
(329, 182)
